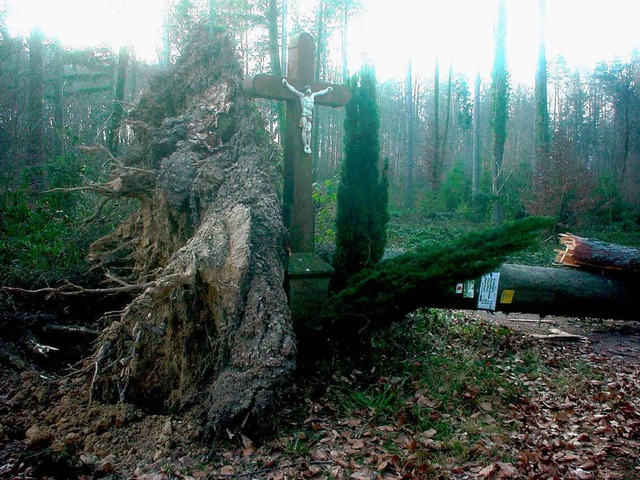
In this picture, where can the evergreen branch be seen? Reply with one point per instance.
(398, 286)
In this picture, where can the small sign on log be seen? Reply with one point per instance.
(488, 294)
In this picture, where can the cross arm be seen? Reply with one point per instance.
(270, 86)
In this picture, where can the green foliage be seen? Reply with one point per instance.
(362, 195)
(377, 401)
(439, 370)
(453, 196)
(325, 196)
(408, 230)
(395, 287)
(40, 242)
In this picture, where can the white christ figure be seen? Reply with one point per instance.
(307, 100)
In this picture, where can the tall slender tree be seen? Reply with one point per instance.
(284, 32)
(113, 136)
(277, 67)
(500, 89)
(212, 17)
(436, 162)
(35, 106)
(57, 97)
(410, 121)
(447, 116)
(476, 161)
(362, 194)
(542, 138)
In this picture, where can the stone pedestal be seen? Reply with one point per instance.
(307, 283)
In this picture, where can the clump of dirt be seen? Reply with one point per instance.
(50, 428)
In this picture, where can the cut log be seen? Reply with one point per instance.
(388, 293)
(555, 291)
(426, 277)
(594, 254)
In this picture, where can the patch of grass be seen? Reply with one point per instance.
(301, 442)
(377, 402)
(528, 363)
(456, 379)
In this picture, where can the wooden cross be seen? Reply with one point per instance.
(298, 211)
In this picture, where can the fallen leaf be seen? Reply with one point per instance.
(429, 433)
(486, 407)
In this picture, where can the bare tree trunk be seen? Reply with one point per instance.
(476, 161)
(345, 67)
(212, 18)
(500, 87)
(596, 255)
(555, 291)
(57, 146)
(410, 140)
(320, 67)
(113, 137)
(284, 36)
(447, 117)
(35, 109)
(274, 55)
(542, 147)
(436, 165)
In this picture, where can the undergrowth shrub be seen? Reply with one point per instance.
(43, 237)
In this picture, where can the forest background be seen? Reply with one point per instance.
(568, 143)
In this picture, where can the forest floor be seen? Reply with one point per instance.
(480, 395)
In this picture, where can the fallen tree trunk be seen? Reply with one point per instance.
(594, 254)
(450, 277)
(554, 291)
(422, 278)
(209, 328)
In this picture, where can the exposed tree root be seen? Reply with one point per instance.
(208, 328)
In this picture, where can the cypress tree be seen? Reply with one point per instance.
(362, 213)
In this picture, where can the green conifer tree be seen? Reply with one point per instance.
(362, 213)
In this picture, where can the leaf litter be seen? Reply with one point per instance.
(473, 401)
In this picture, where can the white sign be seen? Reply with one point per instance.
(469, 289)
(488, 293)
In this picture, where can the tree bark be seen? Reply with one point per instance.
(500, 87)
(35, 107)
(410, 136)
(113, 137)
(447, 117)
(476, 161)
(594, 254)
(556, 291)
(436, 167)
(212, 330)
(542, 138)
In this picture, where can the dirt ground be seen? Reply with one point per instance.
(50, 428)
(617, 339)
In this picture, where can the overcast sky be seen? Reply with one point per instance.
(387, 32)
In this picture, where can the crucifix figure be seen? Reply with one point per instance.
(298, 209)
(307, 102)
